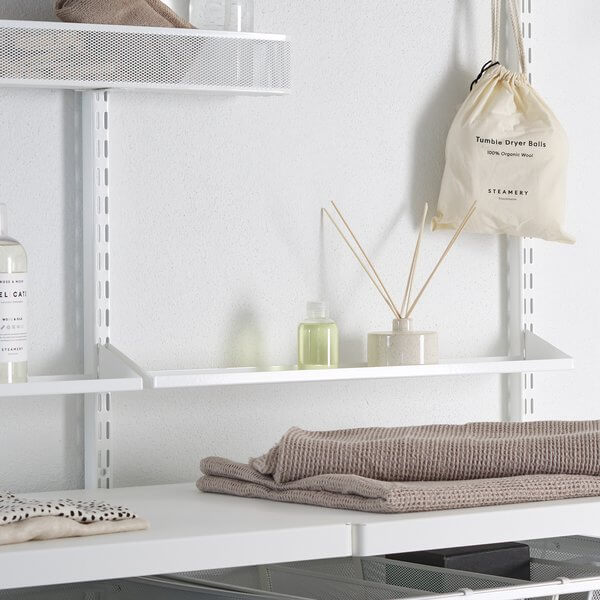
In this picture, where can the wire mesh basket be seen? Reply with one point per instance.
(288, 581)
(576, 549)
(409, 575)
(375, 578)
(149, 588)
(350, 579)
(572, 557)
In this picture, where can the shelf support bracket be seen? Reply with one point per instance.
(96, 284)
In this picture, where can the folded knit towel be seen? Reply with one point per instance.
(437, 452)
(49, 528)
(151, 13)
(352, 492)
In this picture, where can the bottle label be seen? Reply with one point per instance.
(13, 317)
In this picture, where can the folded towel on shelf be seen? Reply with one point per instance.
(437, 452)
(353, 492)
(23, 519)
(414, 469)
(151, 13)
(49, 528)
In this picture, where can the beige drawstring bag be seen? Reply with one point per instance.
(507, 151)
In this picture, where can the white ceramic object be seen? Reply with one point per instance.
(402, 346)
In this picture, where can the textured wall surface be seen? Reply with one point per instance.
(217, 239)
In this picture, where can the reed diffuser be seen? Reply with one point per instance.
(403, 345)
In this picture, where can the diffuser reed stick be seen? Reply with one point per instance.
(413, 265)
(407, 307)
(389, 296)
(444, 254)
(364, 266)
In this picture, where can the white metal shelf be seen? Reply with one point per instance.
(192, 531)
(114, 376)
(539, 355)
(118, 373)
(84, 57)
(188, 530)
(382, 534)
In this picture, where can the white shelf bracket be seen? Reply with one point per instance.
(521, 285)
(96, 274)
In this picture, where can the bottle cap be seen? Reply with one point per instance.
(3, 220)
(317, 310)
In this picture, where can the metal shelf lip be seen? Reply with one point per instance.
(167, 31)
(113, 86)
(90, 57)
(539, 356)
(68, 384)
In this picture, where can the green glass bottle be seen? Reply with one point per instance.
(318, 345)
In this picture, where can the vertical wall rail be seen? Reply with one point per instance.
(521, 281)
(521, 284)
(96, 273)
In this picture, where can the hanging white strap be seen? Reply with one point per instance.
(516, 27)
(495, 30)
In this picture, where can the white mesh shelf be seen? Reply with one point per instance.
(64, 55)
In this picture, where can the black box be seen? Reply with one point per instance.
(510, 559)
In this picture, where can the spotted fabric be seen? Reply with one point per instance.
(14, 509)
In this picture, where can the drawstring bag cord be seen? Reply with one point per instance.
(513, 13)
(488, 65)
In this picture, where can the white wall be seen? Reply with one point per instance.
(217, 240)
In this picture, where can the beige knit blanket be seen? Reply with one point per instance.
(413, 469)
(352, 492)
(437, 452)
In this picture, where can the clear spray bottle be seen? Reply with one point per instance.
(13, 306)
